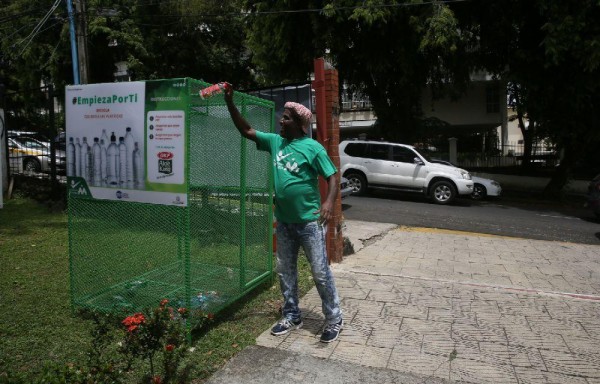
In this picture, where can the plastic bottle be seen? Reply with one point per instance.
(89, 165)
(97, 162)
(104, 137)
(103, 161)
(214, 90)
(138, 167)
(71, 158)
(85, 159)
(122, 161)
(112, 155)
(129, 144)
(78, 159)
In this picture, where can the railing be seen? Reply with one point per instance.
(511, 155)
(355, 105)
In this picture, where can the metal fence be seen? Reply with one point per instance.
(34, 151)
(510, 155)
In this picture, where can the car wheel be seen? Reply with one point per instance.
(357, 182)
(32, 165)
(443, 192)
(479, 192)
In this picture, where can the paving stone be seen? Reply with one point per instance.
(572, 364)
(579, 344)
(363, 355)
(390, 296)
(495, 352)
(353, 292)
(474, 371)
(525, 337)
(364, 307)
(267, 340)
(438, 344)
(386, 334)
(406, 359)
(312, 346)
(431, 301)
(491, 333)
(348, 352)
(487, 307)
(526, 357)
(345, 281)
(356, 333)
(533, 376)
(423, 327)
(492, 280)
(408, 311)
(558, 326)
(496, 269)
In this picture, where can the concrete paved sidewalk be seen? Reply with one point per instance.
(453, 306)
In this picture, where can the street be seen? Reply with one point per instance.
(493, 216)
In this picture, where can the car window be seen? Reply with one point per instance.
(30, 143)
(403, 155)
(356, 149)
(379, 151)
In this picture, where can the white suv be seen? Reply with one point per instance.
(379, 164)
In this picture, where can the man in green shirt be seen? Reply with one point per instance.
(297, 162)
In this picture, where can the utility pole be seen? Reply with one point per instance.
(74, 57)
(82, 51)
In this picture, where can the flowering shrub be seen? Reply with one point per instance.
(159, 334)
(157, 337)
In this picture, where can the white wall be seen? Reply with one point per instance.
(468, 110)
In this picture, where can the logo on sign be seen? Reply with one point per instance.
(165, 162)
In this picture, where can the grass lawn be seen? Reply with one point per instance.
(36, 322)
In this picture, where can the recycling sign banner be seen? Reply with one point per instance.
(127, 141)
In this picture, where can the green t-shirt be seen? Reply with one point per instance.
(297, 165)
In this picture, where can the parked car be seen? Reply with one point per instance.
(482, 187)
(376, 164)
(345, 188)
(30, 134)
(593, 196)
(27, 154)
(60, 141)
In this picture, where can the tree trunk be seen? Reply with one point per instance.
(562, 175)
(527, 140)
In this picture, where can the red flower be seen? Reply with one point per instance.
(164, 302)
(132, 322)
(156, 380)
(182, 311)
(210, 316)
(169, 347)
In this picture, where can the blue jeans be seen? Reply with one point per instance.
(311, 236)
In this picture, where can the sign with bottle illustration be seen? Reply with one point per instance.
(126, 141)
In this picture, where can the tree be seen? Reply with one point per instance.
(156, 38)
(549, 52)
(386, 50)
(32, 53)
(390, 50)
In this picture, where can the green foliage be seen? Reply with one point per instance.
(386, 50)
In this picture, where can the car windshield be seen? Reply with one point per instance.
(423, 154)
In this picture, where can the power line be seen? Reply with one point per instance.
(37, 28)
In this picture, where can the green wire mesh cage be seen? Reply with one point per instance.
(127, 256)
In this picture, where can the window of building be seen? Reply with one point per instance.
(492, 98)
